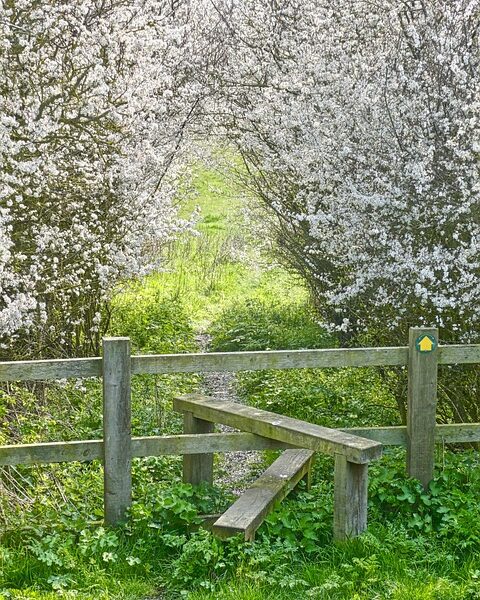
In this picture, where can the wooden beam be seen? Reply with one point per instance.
(277, 427)
(201, 444)
(249, 511)
(84, 451)
(116, 429)
(87, 450)
(459, 354)
(32, 370)
(51, 452)
(422, 403)
(451, 433)
(275, 359)
(350, 499)
(197, 468)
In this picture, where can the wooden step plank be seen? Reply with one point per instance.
(248, 512)
(278, 427)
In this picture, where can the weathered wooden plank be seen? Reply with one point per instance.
(452, 433)
(350, 498)
(84, 451)
(276, 359)
(278, 427)
(248, 512)
(457, 433)
(197, 468)
(388, 436)
(422, 403)
(116, 429)
(51, 452)
(201, 444)
(459, 354)
(31, 370)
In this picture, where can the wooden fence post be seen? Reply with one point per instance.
(350, 498)
(116, 429)
(197, 467)
(422, 402)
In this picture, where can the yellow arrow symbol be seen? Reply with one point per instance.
(425, 344)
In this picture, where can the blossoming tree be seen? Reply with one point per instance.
(361, 131)
(96, 98)
(359, 124)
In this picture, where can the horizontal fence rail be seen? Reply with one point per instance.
(352, 447)
(233, 361)
(87, 450)
(169, 445)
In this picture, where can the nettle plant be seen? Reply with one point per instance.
(96, 100)
(359, 126)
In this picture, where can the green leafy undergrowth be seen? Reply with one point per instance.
(419, 545)
(331, 397)
(431, 537)
(449, 508)
(258, 324)
(154, 323)
(68, 549)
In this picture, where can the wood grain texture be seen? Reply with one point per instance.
(276, 359)
(32, 370)
(281, 428)
(116, 429)
(350, 499)
(197, 468)
(248, 512)
(422, 404)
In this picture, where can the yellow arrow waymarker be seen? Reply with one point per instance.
(426, 343)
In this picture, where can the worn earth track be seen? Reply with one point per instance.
(237, 469)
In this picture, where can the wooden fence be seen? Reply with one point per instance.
(422, 357)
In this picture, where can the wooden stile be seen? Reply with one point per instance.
(116, 429)
(353, 448)
(281, 428)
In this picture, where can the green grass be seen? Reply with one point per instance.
(219, 265)
(419, 545)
